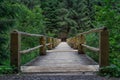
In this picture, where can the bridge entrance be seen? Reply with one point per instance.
(62, 58)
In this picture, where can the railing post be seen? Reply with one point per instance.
(14, 50)
(43, 48)
(73, 42)
(50, 41)
(75, 39)
(58, 41)
(104, 48)
(80, 42)
(53, 43)
(72, 45)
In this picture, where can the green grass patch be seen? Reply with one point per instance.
(6, 70)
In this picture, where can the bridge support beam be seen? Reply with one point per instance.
(43, 48)
(104, 48)
(81, 40)
(14, 50)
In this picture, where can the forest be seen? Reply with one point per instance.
(50, 17)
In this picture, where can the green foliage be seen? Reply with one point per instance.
(6, 22)
(16, 15)
(93, 40)
(66, 16)
(6, 70)
(110, 71)
(107, 14)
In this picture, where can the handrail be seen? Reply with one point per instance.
(48, 44)
(79, 41)
(94, 30)
(15, 44)
(91, 48)
(28, 34)
(31, 49)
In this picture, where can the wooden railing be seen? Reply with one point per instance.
(15, 46)
(79, 42)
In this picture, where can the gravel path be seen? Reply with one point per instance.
(52, 77)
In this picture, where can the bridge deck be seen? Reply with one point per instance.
(61, 59)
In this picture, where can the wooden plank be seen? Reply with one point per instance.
(104, 49)
(91, 48)
(43, 48)
(31, 49)
(14, 50)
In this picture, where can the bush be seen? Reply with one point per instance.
(6, 70)
(110, 71)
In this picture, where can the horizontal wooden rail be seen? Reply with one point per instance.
(31, 49)
(91, 48)
(28, 34)
(48, 44)
(94, 30)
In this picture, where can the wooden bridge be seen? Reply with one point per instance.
(61, 56)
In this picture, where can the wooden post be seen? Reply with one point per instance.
(53, 42)
(80, 42)
(75, 42)
(43, 48)
(50, 41)
(58, 41)
(72, 42)
(14, 50)
(104, 48)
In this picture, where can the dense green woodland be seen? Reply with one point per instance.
(50, 17)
